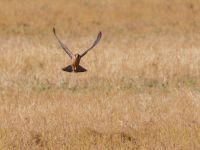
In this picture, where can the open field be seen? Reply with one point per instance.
(142, 88)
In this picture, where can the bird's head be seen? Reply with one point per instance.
(77, 56)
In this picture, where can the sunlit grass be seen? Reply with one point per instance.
(141, 90)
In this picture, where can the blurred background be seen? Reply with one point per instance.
(75, 18)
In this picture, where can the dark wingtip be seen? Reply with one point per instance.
(100, 33)
(54, 30)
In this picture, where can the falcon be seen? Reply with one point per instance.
(75, 58)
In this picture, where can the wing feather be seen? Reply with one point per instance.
(94, 44)
(62, 45)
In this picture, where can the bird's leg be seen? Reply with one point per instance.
(73, 68)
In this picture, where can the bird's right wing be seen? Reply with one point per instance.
(62, 45)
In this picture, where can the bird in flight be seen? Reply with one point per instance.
(75, 58)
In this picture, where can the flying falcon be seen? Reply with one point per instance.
(75, 58)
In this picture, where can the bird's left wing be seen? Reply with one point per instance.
(94, 44)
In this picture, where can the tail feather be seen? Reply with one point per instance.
(68, 68)
(79, 69)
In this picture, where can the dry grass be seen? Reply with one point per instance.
(142, 88)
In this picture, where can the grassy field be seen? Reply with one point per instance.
(141, 90)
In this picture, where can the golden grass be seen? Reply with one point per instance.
(142, 88)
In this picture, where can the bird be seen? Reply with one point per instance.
(75, 58)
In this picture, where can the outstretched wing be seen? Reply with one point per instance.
(94, 44)
(62, 45)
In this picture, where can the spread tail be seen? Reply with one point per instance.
(79, 69)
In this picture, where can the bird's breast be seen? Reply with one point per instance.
(75, 62)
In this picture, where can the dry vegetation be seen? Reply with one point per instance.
(142, 88)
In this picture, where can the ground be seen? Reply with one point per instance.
(142, 87)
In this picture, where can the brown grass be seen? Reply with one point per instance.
(142, 88)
